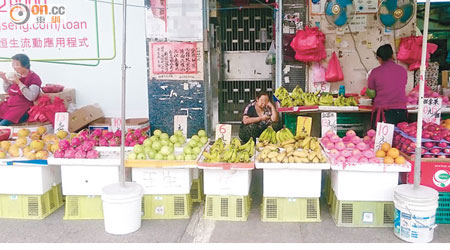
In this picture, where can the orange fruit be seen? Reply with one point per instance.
(388, 160)
(447, 121)
(393, 152)
(380, 153)
(385, 147)
(400, 160)
(447, 126)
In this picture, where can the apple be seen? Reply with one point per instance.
(173, 139)
(147, 142)
(164, 136)
(132, 156)
(201, 133)
(138, 149)
(204, 139)
(141, 156)
(157, 132)
(195, 137)
(178, 133)
(171, 157)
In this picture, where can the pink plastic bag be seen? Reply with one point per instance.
(334, 71)
(318, 73)
(309, 45)
(410, 51)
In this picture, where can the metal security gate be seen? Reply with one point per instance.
(244, 37)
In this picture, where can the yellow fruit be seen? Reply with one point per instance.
(393, 152)
(42, 155)
(14, 150)
(5, 145)
(61, 134)
(35, 136)
(380, 153)
(54, 147)
(23, 132)
(385, 147)
(2, 154)
(41, 130)
(388, 160)
(37, 145)
(30, 155)
(400, 160)
(21, 142)
(27, 150)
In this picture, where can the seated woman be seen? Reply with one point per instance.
(22, 88)
(258, 115)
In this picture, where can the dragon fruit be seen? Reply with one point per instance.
(76, 141)
(141, 139)
(103, 142)
(97, 132)
(118, 133)
(64, 144)
(113, 142)
(70, 153)
(93, 154)
(87, 146)
(59, 153)
(80, 154)
(108, 135)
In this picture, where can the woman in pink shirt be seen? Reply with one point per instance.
(389, 82)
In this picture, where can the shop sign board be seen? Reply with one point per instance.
(385, 133)
(329, 122)
(432, 108)
(51, 29)
(223, 131)
(176, 60)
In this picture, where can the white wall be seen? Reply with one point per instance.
(102, 84)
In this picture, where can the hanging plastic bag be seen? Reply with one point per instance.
(271, 55)
(334, 71)
(318, 72)
(309, 45)
(410, 51)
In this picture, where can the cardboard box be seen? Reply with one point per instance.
(81, 117)
(445, 78)
(131, 123)
(31, 126)
(68, 95)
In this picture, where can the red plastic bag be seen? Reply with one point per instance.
(334, 71)
(318, 72)
(45, 110)
(57, 106)
(309, 45)
(410, 51)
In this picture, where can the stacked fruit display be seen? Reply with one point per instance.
(294, 150)
(435, 139)
(351, 148)
(79, 146)
(413, 96)
(269, 135)
(390, 155)
(104, 138)
(231, 153)
(161, 146)
(31, 145)
(300, 98)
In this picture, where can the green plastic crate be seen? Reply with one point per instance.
(362, 213)
(443, 211)
(290, 122)
(156, 207)
(290, 210)
(83, 207)
(31, 207)
(230, 208)
(197, 189)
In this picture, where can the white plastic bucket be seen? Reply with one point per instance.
(122, 207)
(415, 213)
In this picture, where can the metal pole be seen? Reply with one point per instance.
(279, 45)
(418, 154)
(124, 80)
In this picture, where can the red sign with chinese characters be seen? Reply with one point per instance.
(174, 58)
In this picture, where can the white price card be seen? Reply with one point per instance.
(319, 86)
(223, 131)
(432, 108)
(180, 123)
(329, 122)
(61, 121)
(385, 132)
(116, 123)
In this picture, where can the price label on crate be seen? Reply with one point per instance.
(385, 132)
(432, 110)
(116, 123)
(329, 122)
(319, 86)
(304, 125)
(223, 131)
(61, 121)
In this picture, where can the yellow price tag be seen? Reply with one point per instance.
(304, 125)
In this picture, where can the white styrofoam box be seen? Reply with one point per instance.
(163, 181)
(31, 179)
(366, 182)
(304, 183)
(227, 182)
(88, 179)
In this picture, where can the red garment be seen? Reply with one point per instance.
(17, 105)
(389, 82)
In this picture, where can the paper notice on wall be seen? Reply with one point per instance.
(358, 24)
(175, 20)
(366, 6)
